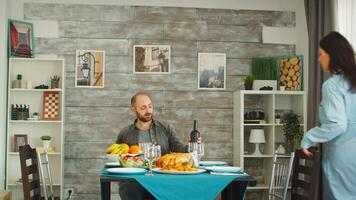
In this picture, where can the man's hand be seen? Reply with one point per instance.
(308, 153)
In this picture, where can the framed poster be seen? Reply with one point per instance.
(19, 140)
(20, 36)
(212, 71)
(151, 59)
(90, 69)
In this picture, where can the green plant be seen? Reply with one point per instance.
(264, 68)
(278, 116)
(35, 114)
(281, 83)
(46, 137)
(293, 132)
(249, 79)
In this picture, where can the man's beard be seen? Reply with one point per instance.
(144, 118)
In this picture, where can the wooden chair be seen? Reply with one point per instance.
(29, 169)
(306, 176)
(281, 171)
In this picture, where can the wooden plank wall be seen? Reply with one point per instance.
(95, 116)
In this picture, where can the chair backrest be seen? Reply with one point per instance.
(281, 171)
(46, 176)
(306, 176)
(29, 168)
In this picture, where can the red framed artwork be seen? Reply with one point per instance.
(50, 105)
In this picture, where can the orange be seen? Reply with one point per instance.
(125, 148)
(134, 149)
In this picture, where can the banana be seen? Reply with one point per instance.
(111, 148)
(116, 151)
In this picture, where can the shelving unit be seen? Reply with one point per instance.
(37, 71)
(271, 103)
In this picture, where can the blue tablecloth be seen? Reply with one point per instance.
(167, 186)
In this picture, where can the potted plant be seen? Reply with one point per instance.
(282, 86)
(36, 116)
(46, 141)
(278, 118)
(292, 130)
(248, 80)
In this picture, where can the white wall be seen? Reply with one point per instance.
(297, 34)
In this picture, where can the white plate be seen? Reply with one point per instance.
(223, 169)
(159, 170)
(113, 164)
(212, 163)
(126, 170)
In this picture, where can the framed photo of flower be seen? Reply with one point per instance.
(20, 36)
(151, 59)
(212, 71)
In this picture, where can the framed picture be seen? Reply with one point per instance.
(50, 105)
(90, 69)
(291, 72)
(212, 71)
(20, 36)
(151, 59)
(19, 140)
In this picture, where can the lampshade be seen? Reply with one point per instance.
(257, 136)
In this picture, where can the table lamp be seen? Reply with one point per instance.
(257, 136)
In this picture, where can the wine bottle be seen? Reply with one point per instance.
(195, 134)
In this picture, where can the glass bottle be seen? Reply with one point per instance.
(194, 134)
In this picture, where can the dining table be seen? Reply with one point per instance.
(170, 186)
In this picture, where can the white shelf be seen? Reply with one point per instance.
(50, 154)
(39, 121)
(34, 90)
(20, 184)
(37, 71)
(259, 187)
(258, 124)
(271, 103)
(260, 92)
(257, 156)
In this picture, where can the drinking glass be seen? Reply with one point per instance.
(159, 152)
(200, 150)
(192, 149)
(144, 146)
(150, 155)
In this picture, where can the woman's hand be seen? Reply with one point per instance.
(308, 153)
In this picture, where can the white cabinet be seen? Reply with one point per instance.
(34, 72)
(270, 103)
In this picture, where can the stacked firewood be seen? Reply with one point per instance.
(290, 73)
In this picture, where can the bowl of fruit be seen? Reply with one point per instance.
(132, 160)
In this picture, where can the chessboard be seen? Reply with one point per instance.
(50, 105)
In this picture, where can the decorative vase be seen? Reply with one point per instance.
(46, 144)
(282, 88)
(281, 149)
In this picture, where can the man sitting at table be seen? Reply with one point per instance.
(146, 130)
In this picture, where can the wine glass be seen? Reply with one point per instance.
(200, 150)
(159, 152)
(192, 149)
(144, 146)
(150, 155)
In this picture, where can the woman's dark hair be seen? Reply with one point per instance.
(342, 56)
